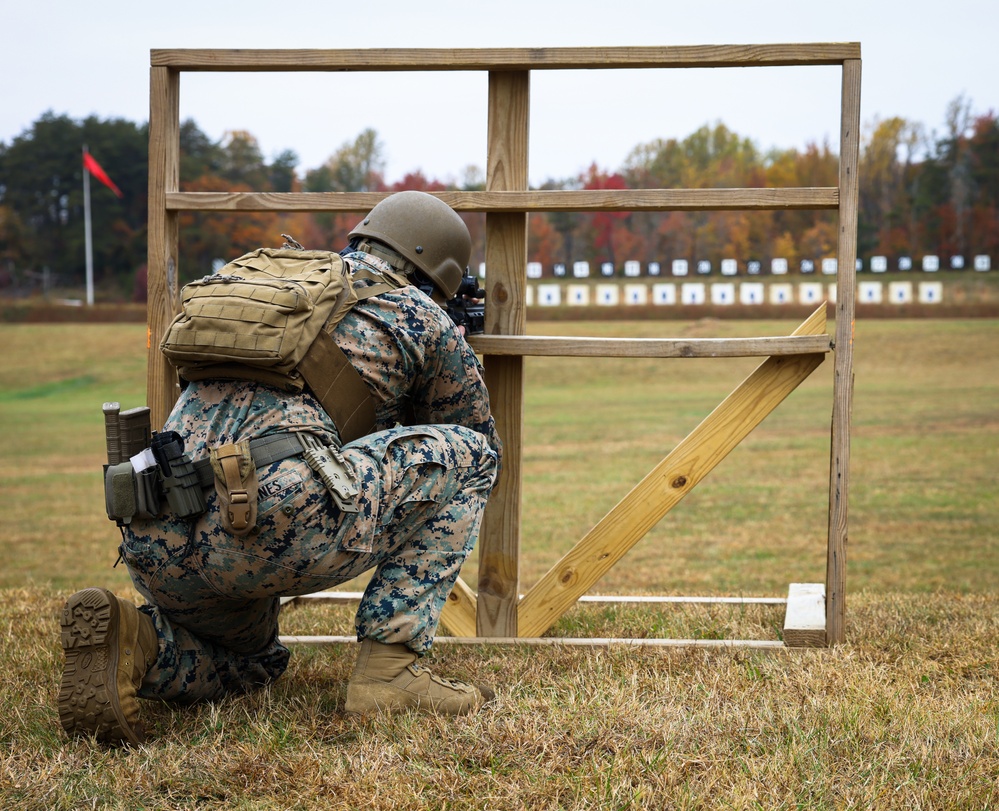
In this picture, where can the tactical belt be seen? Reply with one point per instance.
(265, 451)
(236, 481)
(324, 459)
(178, 487)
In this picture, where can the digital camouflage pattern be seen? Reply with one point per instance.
(424, 478)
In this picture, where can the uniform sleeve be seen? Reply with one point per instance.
(418, 367)
(450, 387)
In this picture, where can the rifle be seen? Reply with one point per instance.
(466, 308)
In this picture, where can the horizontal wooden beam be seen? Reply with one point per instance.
(347, 597)
(567, 346)
(808, 198)
(545, 641)
(435, 59)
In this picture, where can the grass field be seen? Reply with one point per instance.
(904, 715)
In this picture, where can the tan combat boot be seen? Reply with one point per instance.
(109, 646)
(387, 678)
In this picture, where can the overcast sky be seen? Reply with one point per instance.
(89, 58)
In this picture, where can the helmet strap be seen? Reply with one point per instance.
(399, 263)
(427, 285)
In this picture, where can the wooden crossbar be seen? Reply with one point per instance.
(520, 59)
(347, 597)
(791, 198)
(804, 622)
(566, 347)
(547, 641)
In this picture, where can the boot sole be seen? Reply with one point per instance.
(88, 695)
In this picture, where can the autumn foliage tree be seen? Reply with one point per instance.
(919, 194)
(41, 202)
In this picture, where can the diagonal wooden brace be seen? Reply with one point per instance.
(458, 614)
(663, 488)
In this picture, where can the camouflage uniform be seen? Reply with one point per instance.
(424, 477)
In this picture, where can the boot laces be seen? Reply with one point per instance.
(453, 684)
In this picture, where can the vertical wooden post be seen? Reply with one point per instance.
(161, 262)
(839, 463)
(506, 283)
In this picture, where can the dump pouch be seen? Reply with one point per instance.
(120, 498)
(236, 485)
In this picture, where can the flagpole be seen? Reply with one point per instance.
(88, 238)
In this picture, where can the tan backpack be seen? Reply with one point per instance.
(266, 317)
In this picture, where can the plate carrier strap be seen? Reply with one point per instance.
(332, 377)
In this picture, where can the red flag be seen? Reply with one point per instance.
(95, 169)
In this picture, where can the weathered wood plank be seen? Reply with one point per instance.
(567, 346)
(805, 616)
(662, 600)
(839, 464)
(817, 198)
(499, 538)
(345, 597)
(590, 642)
(163, 295)
(458, 614)
(517, 59)
(664, 487)
(506, 313)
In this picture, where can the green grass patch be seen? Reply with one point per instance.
(905, 715)
(925, 434)
(57, 388)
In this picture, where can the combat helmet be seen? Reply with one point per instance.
(425, 232)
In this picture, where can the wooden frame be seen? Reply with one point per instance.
(498, 611)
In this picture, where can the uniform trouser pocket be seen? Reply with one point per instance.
(209, 644)
(294, 547)
(156, 551)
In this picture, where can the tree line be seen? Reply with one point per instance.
(920, 193)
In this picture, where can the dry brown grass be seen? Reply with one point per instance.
(905, 715)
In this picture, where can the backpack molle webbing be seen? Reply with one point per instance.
(267, 317)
